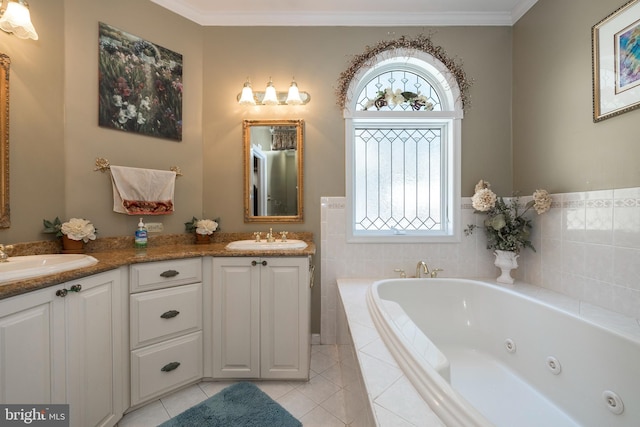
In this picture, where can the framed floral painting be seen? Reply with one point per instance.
(616, 62)
(140, 85)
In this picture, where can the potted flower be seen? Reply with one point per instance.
(506, 227)
(75, 233)
(203, 229)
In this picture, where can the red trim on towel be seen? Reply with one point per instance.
(141, 207)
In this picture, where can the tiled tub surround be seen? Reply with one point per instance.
(588, 247)
(393, 399)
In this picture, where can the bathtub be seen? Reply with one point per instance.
(485, 355)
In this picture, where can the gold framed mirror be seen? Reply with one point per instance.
(273, 170)
(4, 141)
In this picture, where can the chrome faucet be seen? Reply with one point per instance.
(4, 256)
(422, 266)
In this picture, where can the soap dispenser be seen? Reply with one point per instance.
(141, 236)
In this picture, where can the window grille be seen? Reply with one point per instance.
(403, 159)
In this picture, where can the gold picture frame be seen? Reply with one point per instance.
(616, 62)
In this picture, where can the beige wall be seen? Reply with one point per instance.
(37, 156)
(556, 144)
(55, 137)
(316, 57)
(89, 193)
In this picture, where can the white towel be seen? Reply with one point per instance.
(142, 191)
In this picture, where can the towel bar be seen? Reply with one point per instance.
(103, 165)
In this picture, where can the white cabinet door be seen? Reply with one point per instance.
(236, 318)
(96, 359)
(32, 348)
(261, 322)
(285, 318)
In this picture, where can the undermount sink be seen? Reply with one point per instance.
(263, 245)
(28, 266)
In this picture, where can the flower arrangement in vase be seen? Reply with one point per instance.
(203, 228)
(506, 226)
(74, 233)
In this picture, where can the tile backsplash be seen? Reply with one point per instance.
(587, 247)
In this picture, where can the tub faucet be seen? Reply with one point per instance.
(4, 256)
(422, 266)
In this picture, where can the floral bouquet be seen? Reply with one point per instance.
(388, 96)
(74, 229)
(202, 226)
(506, 227)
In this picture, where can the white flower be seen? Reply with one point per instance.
(541, 201)
(397, 97)
(131, 111)
(482, 184)
(484, 200)
(206, 226)
(79, 229)
(122, 117)
(117, 100)
(145, 103)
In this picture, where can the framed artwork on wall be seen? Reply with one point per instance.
(139, 85)
(616, 62)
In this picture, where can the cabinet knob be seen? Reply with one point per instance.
(170, 366)
(169, 314)
(75, 288)
(254, 263)
(169, 273)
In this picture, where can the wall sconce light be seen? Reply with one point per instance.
(271, 96)
(16, 19)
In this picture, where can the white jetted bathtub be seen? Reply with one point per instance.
(483, 355)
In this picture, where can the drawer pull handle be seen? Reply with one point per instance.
(169, 314)
(254, 263)
(169, 273)
(64, 291)
(170, 366)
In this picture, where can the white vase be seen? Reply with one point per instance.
(506, 261)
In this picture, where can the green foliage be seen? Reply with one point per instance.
(506, 227)
(53, 227)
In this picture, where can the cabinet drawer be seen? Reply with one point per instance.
(162, 367)
(163, 274)
(165, 313)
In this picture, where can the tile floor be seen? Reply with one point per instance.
(319, 402)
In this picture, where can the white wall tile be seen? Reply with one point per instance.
(588, 247)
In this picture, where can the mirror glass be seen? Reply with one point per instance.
(273, 153)
(4, 141)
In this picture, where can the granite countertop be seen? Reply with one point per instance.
(116, 252)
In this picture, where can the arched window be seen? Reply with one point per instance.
(403, 131)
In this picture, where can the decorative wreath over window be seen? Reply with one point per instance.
(422, 43)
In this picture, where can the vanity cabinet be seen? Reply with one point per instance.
(261, 317)
(32, 348)
(97, 369)
(166, 335)
(65, 344)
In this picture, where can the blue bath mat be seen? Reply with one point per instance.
(240, 405)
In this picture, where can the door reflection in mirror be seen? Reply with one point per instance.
(273, 175)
